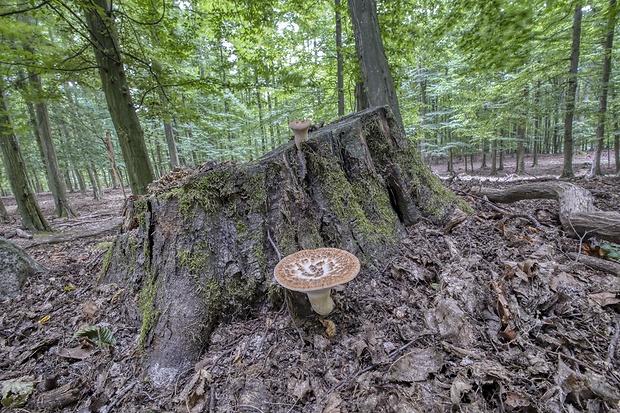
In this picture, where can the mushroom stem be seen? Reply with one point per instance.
(300, 136)
(321, 301)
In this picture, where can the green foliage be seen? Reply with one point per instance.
(102, 336)
(229, 76)
(15, 393)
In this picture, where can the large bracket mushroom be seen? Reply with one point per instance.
(315, 272)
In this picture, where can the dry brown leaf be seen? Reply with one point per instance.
(515, 402)
(330, 328)
(78, 353)
(90, 308)
(604, 298)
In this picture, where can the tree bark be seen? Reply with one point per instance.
(602, 106)
(115, 172)
(376, 74)
(54, 177)
(197, 249)
(4, 215)
(571, 93)
(31, 215)
(578, 215)
(339, 60)
(102, 30)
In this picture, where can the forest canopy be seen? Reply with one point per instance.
(215, 81)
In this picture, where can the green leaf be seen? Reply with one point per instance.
(100, 335)
(15, 393)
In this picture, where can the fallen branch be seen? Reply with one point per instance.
(578, 215)
(596, 263)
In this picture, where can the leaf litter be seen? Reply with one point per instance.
(490, 314)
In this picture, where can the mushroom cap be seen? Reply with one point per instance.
(299, 125)
(311, 270)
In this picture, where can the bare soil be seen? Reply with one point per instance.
(490, 316)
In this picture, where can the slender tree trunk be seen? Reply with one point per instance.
(571, 93)
(172, 146)
(501, 157)
(376, 74)
(116, 173)
(339, 60)
(494, 157)
(54, 177)
(423, 107)
(536, 144)
(602, 107)
(94, 181)
(98, 15)
(32, 217)
(4, 215)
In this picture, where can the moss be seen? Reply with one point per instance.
(438, 200)
(140, 208)
(107, 258)
(206, 191)
(361, 202)
(196, 260)
(147, 306)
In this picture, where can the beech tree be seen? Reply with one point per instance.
(608, 42)
(31, 215)
(376, 74)
(118, 96)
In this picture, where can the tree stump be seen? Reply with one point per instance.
(196, 249)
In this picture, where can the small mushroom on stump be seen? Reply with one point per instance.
(300, 131)
(315, 272)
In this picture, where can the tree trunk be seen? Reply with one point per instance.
(602, 106)
(493, 158)
(94, 181)
(578, 215)
(115, 172)
(102, 30)
(54, 177)
(172, 146)
(376, 74)
(32, 217)
(4, 215)
(198, 250)
(571, 93)
(617, 145)
(339, 60)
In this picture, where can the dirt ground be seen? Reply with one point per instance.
(492, 316)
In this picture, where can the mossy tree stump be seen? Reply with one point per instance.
(196, 250)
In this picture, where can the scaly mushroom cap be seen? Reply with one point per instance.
(311, 270)
(300, 125)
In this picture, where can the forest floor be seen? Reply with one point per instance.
(490, 316)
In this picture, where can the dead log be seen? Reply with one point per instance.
(196, 250)
(578, 215)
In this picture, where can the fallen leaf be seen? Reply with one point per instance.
(89, 308)
(458, 388)
(78, 353)
(515, 402)
(44, 319)
(604, 298)
(416, 365)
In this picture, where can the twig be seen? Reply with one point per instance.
(614, 342)
(212, 399)
(274, 246)
(121, 395)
